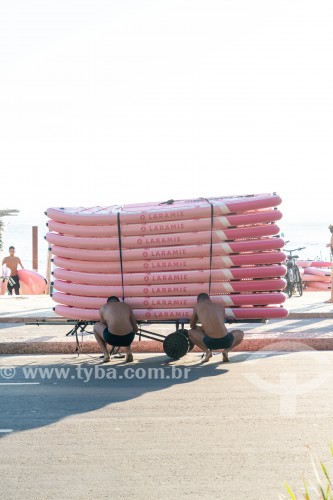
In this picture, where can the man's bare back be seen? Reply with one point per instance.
(211, 317)
(117, 327)
(213, 333)
(119, 318)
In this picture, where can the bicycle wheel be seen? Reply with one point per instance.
(289, 277)
(289, 288)
(298, 281)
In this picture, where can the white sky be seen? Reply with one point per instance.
(110, 102)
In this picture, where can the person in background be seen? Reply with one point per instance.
(12, 262)
(330, 245)
(117, 327)
(212, 334)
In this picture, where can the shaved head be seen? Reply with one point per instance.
(202, 297)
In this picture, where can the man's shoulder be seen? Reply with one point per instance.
(124, 305)
(117, 305)
(219, 307)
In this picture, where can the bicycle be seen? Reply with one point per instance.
(293, 276)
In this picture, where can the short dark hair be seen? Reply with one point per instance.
(11, 247)
(113, 298)
(330, 227)
(202, 296)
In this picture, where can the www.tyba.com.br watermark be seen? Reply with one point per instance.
(90, 373)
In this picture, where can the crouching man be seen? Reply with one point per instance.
(117, 327)
(212, 334)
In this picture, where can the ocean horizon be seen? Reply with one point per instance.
(18, 232)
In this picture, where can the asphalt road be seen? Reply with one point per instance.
(72, 429)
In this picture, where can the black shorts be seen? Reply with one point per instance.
(13, 284)
(220, 343)
(118, 340)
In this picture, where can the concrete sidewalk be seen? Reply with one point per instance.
(310, 323)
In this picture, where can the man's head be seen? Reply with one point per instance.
(330, 227)
(11, 249)
(203, 297)
(113, 299)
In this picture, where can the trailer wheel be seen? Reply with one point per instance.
(190, 345)
(183, 331)
(176, 345)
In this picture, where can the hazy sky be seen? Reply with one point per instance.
(108, 102)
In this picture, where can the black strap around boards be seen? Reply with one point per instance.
(120, 254)
(211, 242)
(168, 202)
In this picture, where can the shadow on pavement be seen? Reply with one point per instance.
(37, 394)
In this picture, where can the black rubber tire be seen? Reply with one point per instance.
(183, 331)
(289, 288)
(298, 281)
(176, 345)
(190, 345)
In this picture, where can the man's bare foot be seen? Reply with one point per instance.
(207, 357)
(106, 360)
(329, 301)
(129, 358)
(119, 355)
(225, 356)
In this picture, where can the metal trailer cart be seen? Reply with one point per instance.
(175, 344)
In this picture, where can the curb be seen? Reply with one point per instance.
(300, 315)
(251, 345)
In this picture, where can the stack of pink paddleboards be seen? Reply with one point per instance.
(159, 256)
(316, 275)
